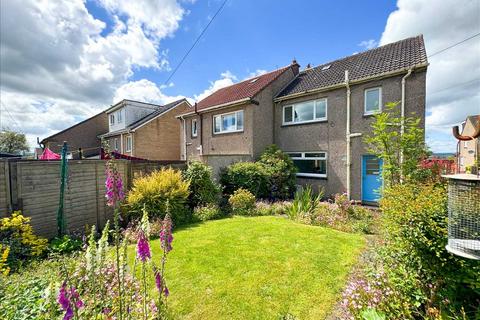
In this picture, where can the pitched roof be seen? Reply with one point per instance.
(392, 57)
(159, 110)
(242, 90)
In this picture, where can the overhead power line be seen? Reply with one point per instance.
(454, 45)
(195, 43)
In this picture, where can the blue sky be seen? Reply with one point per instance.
(252, 35)
(72, 59)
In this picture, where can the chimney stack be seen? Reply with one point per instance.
(295, 66)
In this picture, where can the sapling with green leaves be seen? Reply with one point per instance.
(401, 153)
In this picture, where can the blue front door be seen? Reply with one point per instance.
(371, 178)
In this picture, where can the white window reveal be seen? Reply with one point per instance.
(112, 118)
(373, 100)
(128, 144)
(304, 112)
(194, 128)
(228, 122)
(310, 164)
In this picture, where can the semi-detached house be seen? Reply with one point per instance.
(319, 116)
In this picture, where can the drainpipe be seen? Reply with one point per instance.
(184, 125)
(402, 123)
(200, 148)
(349, 136)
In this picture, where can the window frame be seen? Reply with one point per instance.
(194, 134)
(112, 118)
(127, 148)
(115, 144)
(119, 116)
(293, 122)
(303, 157)
(368, 113)
(221, 122)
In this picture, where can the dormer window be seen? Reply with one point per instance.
(112, 118)
(119, 116)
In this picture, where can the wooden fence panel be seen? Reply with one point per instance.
(4, 189)
(36, 191)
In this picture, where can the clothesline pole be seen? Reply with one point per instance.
(61, 224)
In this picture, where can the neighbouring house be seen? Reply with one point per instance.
(234, 123)
(319, 116)
(468, 151)
(83, 135)
(146, 130)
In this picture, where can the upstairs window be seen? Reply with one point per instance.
(310, 164)
(373, 101)
(194, 128)
(304, 112)
(112, 118)
(119, 116)
(228, 122)
(128, 144)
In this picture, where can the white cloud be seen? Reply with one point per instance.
(368, 44)
(55, 60)
(452, 92)
(256, 73)
(143, 90)
(227, 79)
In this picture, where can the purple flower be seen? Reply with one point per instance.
(65, 298)
(143, 248)
(158, 281)
(166, 292)
(114, 186)
(166, 236)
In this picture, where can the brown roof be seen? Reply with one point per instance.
(388, 58)
(242, 90)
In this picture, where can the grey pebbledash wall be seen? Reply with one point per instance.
(329, 135)
(33, 188)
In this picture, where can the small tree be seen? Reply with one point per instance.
(388, 144)
(13, 142)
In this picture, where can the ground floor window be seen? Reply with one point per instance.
(128, 144)
(310, 164)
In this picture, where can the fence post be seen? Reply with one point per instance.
(61, 214)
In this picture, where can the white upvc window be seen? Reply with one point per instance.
(373, 101)
(115, 144)
(465, 144)
(310, 164)
(305, 112)
(112, 118)
(119, 116)
(194, 128)
(228, 122)
(128, 143)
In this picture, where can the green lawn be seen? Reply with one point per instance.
(257, 268)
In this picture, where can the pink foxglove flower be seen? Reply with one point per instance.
(166, 236)
(143, 247)
(68, 298)
(114, 186)
(158, 281)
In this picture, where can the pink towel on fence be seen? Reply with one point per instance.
(49, 155)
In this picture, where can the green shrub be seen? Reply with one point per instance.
(207, 212)
(203, 189)
(242, 203)
(251, 176)
(304, 204)
(415, 221)
(65, 244)
(17, 235)
(154, 191)
(281, 173)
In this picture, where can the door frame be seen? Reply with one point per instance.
(374, 203)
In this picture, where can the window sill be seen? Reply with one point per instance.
(227, 132)
(368, 115)
(312, 176)
(304, 122)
